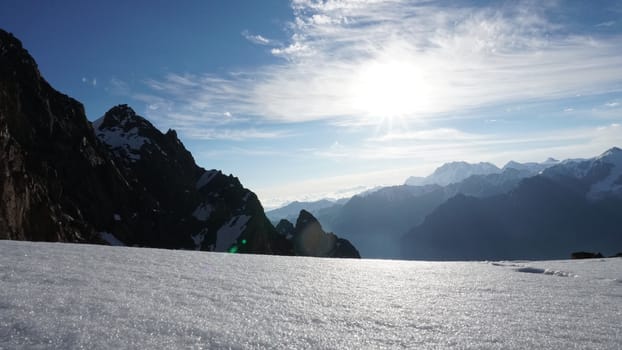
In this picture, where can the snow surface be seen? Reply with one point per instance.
(229, 232)
(59, 296)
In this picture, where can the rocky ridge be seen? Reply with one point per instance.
(118, 180)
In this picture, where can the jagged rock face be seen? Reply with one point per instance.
(56, 180)
(180, 204)
(130, 184)
(309, 239)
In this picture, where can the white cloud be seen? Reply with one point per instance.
(239, 134)
(442, 134)
(353, 60)
(612, 104)
(441, 145)
(295, 50)
(256, 38)
(606, 24)
(92, 81)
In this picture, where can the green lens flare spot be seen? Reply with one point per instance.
(233, 249)
(243, 241)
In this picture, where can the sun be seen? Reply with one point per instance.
(389, 89)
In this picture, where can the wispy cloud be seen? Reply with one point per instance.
(353, 59)
(426, 135)
(232, 134)
(256, 38)
(92, 81)
(606, 24)
(422, 157)
(445, 144)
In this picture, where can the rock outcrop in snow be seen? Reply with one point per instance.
(309, 239)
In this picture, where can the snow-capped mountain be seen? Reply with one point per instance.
(531, 168)
(453, 172)
(118, 181)
(601, 176)
(575, 205)
(194, 208)
(376, 222)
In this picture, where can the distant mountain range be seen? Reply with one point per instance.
(573, 206)
(455, 172)
(291, 210)
(469, 211)
(116, 181)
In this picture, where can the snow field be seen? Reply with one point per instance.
(71, 296)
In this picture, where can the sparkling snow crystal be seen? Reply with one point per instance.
(70, 296)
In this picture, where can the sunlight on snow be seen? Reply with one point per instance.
(59, 296)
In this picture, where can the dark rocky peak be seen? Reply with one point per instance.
(123, 117)
(304, 220)
(58, 182)
(15, 61)
(309, 239)
(34, 112)
(131, 138)
(285, 228)
(172, 134)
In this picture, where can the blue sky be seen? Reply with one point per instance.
(306, 99)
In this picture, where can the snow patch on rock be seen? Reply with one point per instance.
(118, 139)
(203, 212)
(111, 239)
(198, 239)
(230, 231)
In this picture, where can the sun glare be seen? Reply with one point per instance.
(390, 89)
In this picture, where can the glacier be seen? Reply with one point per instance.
(60, 296)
